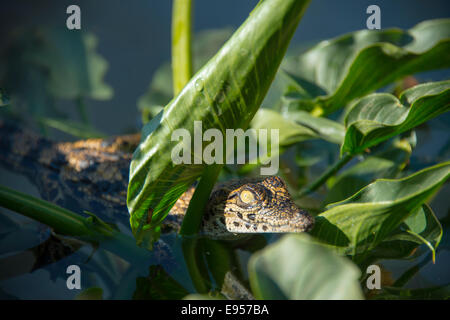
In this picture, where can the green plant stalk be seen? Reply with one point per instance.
(182, 73)
(62, 220)
(66, 222)
(181, 44)
(327, 174)
(194, 213)
(196, 265)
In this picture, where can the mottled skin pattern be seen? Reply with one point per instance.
(256, 205)
(234, 290)
(92, 175)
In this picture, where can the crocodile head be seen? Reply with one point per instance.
(259, 206)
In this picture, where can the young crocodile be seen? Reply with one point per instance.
(92, 175)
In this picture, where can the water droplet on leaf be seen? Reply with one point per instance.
(243, 51)
(199, 84)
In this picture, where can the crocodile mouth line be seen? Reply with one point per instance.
(306, 224)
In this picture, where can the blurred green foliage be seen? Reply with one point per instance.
(44, 67)
(348, 146)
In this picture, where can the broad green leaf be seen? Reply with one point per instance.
(324, 128)
(362, 221)
(421, 227)
(380, 116)
(296, 268)
(295, 127)
(224, 94)
(389, 249)
(335, 72)
(384, 164)
(289, 131)
(160, 92)
(298, 126)
(311, 153)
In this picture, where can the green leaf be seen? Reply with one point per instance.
(385, 164)
(296, 268)
(380, 116)
(335, 72)
(362, 221)
(159, 93)
(224, 94)
(421, 227)
(324, 128)
(290, 132)
(66, 222)
(297, 126)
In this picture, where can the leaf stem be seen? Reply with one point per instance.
(194, 213)
(181, 44)
(66, 222)
(327, 174)
(196, 265)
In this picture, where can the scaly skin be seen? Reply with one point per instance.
(260, 205)
(92, 175)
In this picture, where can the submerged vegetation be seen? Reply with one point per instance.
(351, 114)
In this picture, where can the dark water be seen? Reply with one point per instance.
(134, 37)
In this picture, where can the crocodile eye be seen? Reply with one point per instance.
(247, 196)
